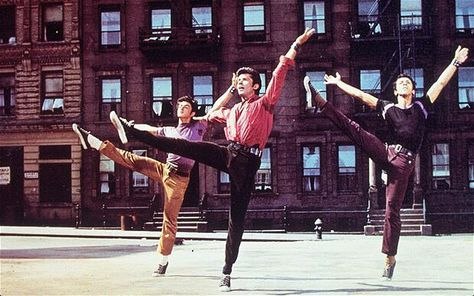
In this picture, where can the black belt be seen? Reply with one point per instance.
(175, 170)
(254, 150)
(400, 149)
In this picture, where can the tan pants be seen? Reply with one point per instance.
(174, 188)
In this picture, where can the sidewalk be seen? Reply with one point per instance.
(112, 233)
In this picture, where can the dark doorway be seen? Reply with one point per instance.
(191, 197)
(11, 186)
(55, 182)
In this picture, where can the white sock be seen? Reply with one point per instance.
(94, 142)
(164, 260)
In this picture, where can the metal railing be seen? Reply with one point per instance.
(388, 26)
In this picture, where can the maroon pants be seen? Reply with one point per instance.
(397, 165)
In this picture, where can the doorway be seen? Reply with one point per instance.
(11, 185)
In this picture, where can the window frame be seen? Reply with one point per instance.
(156, 99)
(265, 187)
(470, 165)
(108, 9)
(324, 20)
(135, 176)
(249, 36)
(44, 28)
(318, 82)
(318, 177)
(359, 106)
(57, 97)
(469, 105)
(463, 30)
(8, 25)
(115, 105)
(8, 94)
(202, 30)
(203, 108)
(111, 175)
(436, 180)
(346, 180)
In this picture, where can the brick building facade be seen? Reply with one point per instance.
(40, 96)
(138, 57)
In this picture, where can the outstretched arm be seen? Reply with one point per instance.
(460, 56)
(363, 97)
(147, 128)
(295, 47)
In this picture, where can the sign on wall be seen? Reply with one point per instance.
(4, 175)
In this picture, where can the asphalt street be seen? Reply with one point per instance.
(336, 265)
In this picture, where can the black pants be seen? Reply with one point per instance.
(240, 166)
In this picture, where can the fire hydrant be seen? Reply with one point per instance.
(318, 228)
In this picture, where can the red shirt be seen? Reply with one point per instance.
(250, 121)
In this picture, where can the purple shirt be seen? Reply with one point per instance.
(193, 131)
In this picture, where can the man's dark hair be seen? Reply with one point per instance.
(404, 75)
(194, 104)
(253, 74)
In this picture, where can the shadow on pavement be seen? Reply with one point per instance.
(79, 252)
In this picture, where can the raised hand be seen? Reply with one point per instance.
(329, 79)
(305, 36)
(461, 54)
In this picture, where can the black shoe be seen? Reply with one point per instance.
(388, 271)
(313, 98)
(224, 285)
(161, 270)
(118, 124)
(82, 134)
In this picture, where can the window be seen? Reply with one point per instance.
(263, 87)
(202, 92)
(311, 168)
(53, 22)
(111, 97)
(202, 19)
(55, 173)
(317, 80)
(263, 178)
(254, 21)
(161, 23)
(367, 24)
(224, 182)
(410, 14)
(52, 86)
(106, 175)
(440, 160)
(7, 95)
(314, 16)
(110, 28)
(369, 83)
(417, 75)
(7, 25)
(139, 181)
(346, 178)
(470, 164)
(466, 87)
(464, 16)
(162, 104)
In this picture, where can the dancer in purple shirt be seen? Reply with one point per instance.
(173, 175)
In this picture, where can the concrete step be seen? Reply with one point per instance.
(404, 221)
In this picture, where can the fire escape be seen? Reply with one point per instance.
(391, 40)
